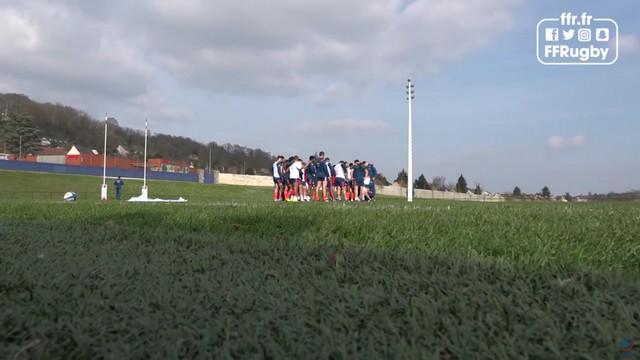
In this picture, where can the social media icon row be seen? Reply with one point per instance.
(584, 34)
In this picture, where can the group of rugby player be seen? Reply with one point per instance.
(296, 180)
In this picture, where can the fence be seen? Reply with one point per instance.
(97, 171)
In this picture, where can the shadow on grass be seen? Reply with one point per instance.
(73, 289)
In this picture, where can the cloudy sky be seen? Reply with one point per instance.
(294, 77)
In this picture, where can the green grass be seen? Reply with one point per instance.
(231, 274)
(47, 187)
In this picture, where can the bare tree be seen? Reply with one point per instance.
(439, 183)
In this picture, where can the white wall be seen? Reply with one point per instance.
(395, 190)
(246, 180)
(51, 159)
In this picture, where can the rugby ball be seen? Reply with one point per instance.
(70, 196)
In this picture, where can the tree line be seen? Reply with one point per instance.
(18, 135)
(26, 122)
(438, 183)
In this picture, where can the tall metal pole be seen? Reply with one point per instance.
(410, 98)
(104, 189)
(146, 134)
(20, 149)
(104, 152)
(209, 158)
(4, 118)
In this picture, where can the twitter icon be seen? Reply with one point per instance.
(568, 34)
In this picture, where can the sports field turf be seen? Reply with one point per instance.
(232, 274)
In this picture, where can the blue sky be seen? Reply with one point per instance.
(295, 79)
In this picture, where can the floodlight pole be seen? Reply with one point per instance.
(410, 98)
(104, 189)
(145, 189)
(210, 158)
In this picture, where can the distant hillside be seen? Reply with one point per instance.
(66, 126)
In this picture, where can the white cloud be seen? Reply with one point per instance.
(118, 51)
(17, 30)
(281, 46)
(557, 142)
(53, 48)
(276, 47)
(333, 93)
(157, 108)
(344, 127)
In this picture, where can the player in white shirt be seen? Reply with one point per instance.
(341, 180)
(295, 170)
(278, 185)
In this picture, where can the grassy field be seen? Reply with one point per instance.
(232, 274)
(47, 187)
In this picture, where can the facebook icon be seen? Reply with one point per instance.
(551, 34)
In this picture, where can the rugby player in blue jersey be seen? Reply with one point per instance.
(358, 178)
(322, 175)
(331, 179)
(311, 175)
(372, 172)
